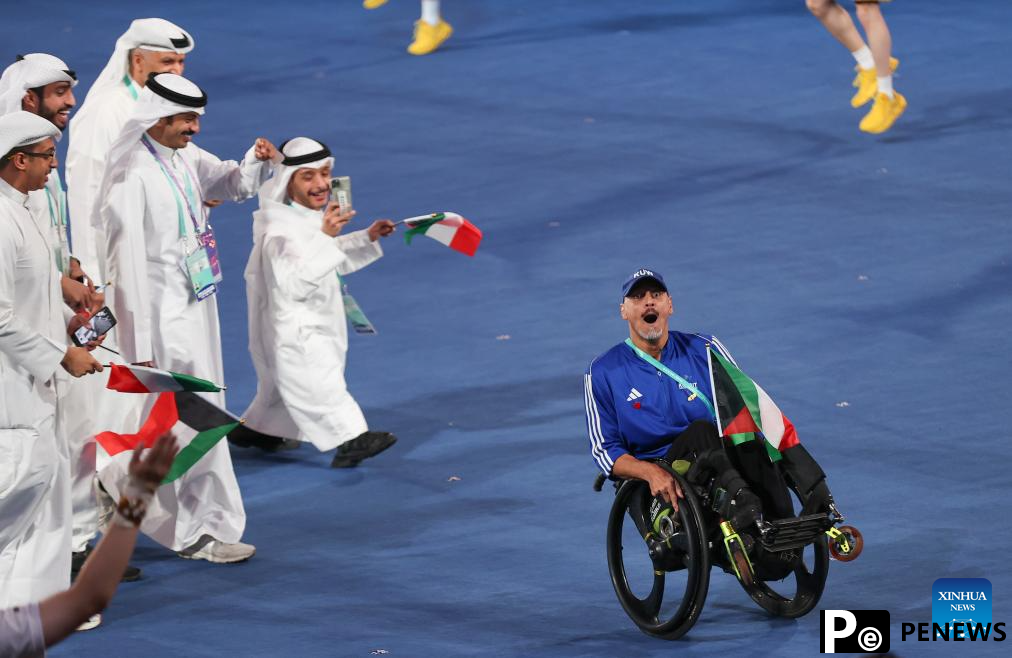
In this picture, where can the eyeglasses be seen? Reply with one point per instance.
(49, 155)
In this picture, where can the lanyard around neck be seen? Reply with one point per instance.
(131, 86)
(57, 213)
(183, 197)
(670, 373)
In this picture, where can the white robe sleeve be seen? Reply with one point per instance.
(89, 142)
(35, 352)
(228, 179)
(21, 633)
(68, 313)
(359, 249)
(299, 268)
(123, 213)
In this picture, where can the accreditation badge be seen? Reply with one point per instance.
(61, 248)
(198, 267)
(359, 322)
(207, 240)
(62, 256)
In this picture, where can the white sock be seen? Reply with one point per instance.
(430, 11)
(862, 56)
(885, 86)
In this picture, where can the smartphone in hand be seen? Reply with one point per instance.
(101, 323)
(340, 191)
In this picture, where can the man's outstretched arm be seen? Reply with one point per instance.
(95, 585)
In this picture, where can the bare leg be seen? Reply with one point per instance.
(879, 39)
(838, 22)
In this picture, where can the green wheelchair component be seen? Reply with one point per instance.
(737, 554)
(841, 540)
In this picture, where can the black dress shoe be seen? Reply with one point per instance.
(363, 446)
(130, 574)
(245, 437)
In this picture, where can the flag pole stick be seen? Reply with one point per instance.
(109, 350)
(419, 218)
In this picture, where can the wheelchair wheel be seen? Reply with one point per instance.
(662, 593)
(809, 576)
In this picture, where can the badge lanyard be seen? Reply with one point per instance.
(206, 237)
(182, 196)
(359, 322)
(203, 272)
(670, 373)
(131, 87)
(58, 217)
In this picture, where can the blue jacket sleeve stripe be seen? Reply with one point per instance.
(594, 428)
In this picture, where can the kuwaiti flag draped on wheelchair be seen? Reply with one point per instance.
(742, 408)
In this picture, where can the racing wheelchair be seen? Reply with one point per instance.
(660, 560)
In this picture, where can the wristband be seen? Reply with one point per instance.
(133, 504)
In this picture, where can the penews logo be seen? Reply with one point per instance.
(854, 631)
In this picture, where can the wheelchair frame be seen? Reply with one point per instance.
(698, 539)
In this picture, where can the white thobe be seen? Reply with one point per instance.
(93, 129)
(34, 468)
(161, 320)
(49, 207)
(76, 408)
(298, 334)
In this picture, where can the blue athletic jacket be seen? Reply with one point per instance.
(633, 408)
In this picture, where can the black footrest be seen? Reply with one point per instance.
(789, 534)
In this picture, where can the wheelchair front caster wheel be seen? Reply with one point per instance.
(854, 542)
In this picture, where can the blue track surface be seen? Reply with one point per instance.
(712, 141)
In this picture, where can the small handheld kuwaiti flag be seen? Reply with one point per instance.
(447, 227)
(138, 379)
(744, 408)
(197, 424)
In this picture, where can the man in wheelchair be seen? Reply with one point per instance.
(651, 398)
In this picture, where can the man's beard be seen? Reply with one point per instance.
(49, 115)
(650, 334)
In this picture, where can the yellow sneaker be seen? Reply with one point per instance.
(883, 113)
(429, 37)
(866, 82)
(373, 4)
